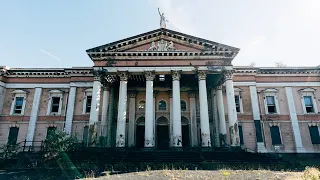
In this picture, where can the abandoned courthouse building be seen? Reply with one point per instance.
(164, 89)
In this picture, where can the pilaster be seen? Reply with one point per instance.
(94, 112)
(2, 95)
(149, 111)
(70, 110)
(193, 119)
(122, 110)
(132, 118)
(176, 129)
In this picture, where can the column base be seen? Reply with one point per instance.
(261, 148)
(301, 150)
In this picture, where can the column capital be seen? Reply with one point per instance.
(96, 78)
(175, 75)
(219, 87)
(228, 74)
(202, 75)
(192, 94)
(132, 94)
(123, 75)
(149, 75)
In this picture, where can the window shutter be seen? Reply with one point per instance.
(275, 135)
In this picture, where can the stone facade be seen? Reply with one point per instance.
(183, 97)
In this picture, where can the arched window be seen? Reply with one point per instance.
(162, 105)
(183, 105)
(141, 105)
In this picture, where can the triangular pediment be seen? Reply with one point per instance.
(161, 40)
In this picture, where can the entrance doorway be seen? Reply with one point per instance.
(140, 132)
(185, 132)
(162, 133)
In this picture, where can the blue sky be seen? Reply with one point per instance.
(57, 33)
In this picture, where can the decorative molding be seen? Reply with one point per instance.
(201, 75)
(175, 75)
(314, 124)
(228, 75)
(274, 124)
(149, 75)
(162, 45)
(123, 75)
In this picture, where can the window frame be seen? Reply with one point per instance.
(10, 143)
(166, 107)
(314, 125)
(58, 94)
(186, 105)
(309, 92)
(141, 109)
(238, 92)
(18, 93)
(271, 92)
(280, 134)
(87, 92)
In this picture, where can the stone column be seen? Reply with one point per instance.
(122, 111)
(204, 114)
(232, 113)
(171, 119)
(257, 121)
(110, 117)
(149, 111)
(176, 129)
(94, 112)
(215, 118)
(222, 120)
(193, 119)
(294, 121)
(132, 118)
(33, 116)
(104, 114)
(154, 116)
(2, 95)
(70, 110)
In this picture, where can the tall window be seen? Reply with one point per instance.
(183, 105)
(237, 100)
(88, 104)
(85, 135)
(162, 105)
(275, 135)
(13, 135)
(271, 105)
(141, 105)
(308, 104)
(18, 105)
(241, 135)
(55, 103)
(314, 134)
(19, 102)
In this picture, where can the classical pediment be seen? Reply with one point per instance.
(163, 40)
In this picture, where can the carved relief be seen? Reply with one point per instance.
(228, 75)
(162, 45)
(123, 76)
(202, 75)
(149, 75)
(175, 75)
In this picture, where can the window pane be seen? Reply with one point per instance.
(314, 134)
(13, 135)
(271, 109)
(307, 100)
(88, 105)
(241, 134)
(275, 135)
(162, 105)
(55, 104)
(270, 100)
(55, 100)
(85, 135)
(141, 105)
(237, 101)
(183, 105)
(19, 101)
(236, 98)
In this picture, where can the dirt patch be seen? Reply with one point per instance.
(215, 175)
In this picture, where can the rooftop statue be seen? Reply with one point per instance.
(162, 19)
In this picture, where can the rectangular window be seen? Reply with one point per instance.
(241, 135)
(51, 131)
(308, 104)
(314, 134)
(55, 102)
(13, 136)
(275, 135)
(237, 100)
(18, 105)
(271, 105)
(88, 104)
(85, 135)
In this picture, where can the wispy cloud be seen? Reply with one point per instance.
(51, 55)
